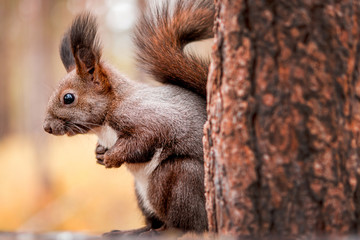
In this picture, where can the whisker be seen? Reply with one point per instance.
(86, 124)
(74, 127)
(81, 127)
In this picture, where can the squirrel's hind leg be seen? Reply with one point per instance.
(153, 228)
(178, 184)
(118, 234)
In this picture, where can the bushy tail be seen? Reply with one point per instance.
(160, 37)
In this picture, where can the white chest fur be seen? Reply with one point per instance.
(107, 136)
(141, 171)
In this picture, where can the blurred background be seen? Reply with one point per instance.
(50, 183)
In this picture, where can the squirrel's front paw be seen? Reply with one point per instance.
(111, 160)
(100, 152)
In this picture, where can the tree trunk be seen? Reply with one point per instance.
(39, 61)
(282, 137)
(4, 72)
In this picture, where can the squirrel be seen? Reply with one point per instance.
(155, 131)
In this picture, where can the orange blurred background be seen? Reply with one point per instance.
(50, 183)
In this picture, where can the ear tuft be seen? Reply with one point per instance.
(84, 43)
(66, 54)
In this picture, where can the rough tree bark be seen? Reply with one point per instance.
(282, 137)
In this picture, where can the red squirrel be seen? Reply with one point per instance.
(155, 131)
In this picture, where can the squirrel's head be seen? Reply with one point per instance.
(81, 101)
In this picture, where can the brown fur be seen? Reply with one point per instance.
(179, 173)
(168, 35)
(158, 130)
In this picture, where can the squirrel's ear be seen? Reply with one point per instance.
(66, 54)
(85, 45)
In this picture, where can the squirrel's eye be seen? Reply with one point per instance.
(69, 98)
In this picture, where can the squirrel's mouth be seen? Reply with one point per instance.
(70, 134)
(60, 127)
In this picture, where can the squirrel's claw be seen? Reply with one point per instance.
(100, 152)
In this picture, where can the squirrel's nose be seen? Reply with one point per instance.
(48, 128)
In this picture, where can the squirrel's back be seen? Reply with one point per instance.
(161, 35)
